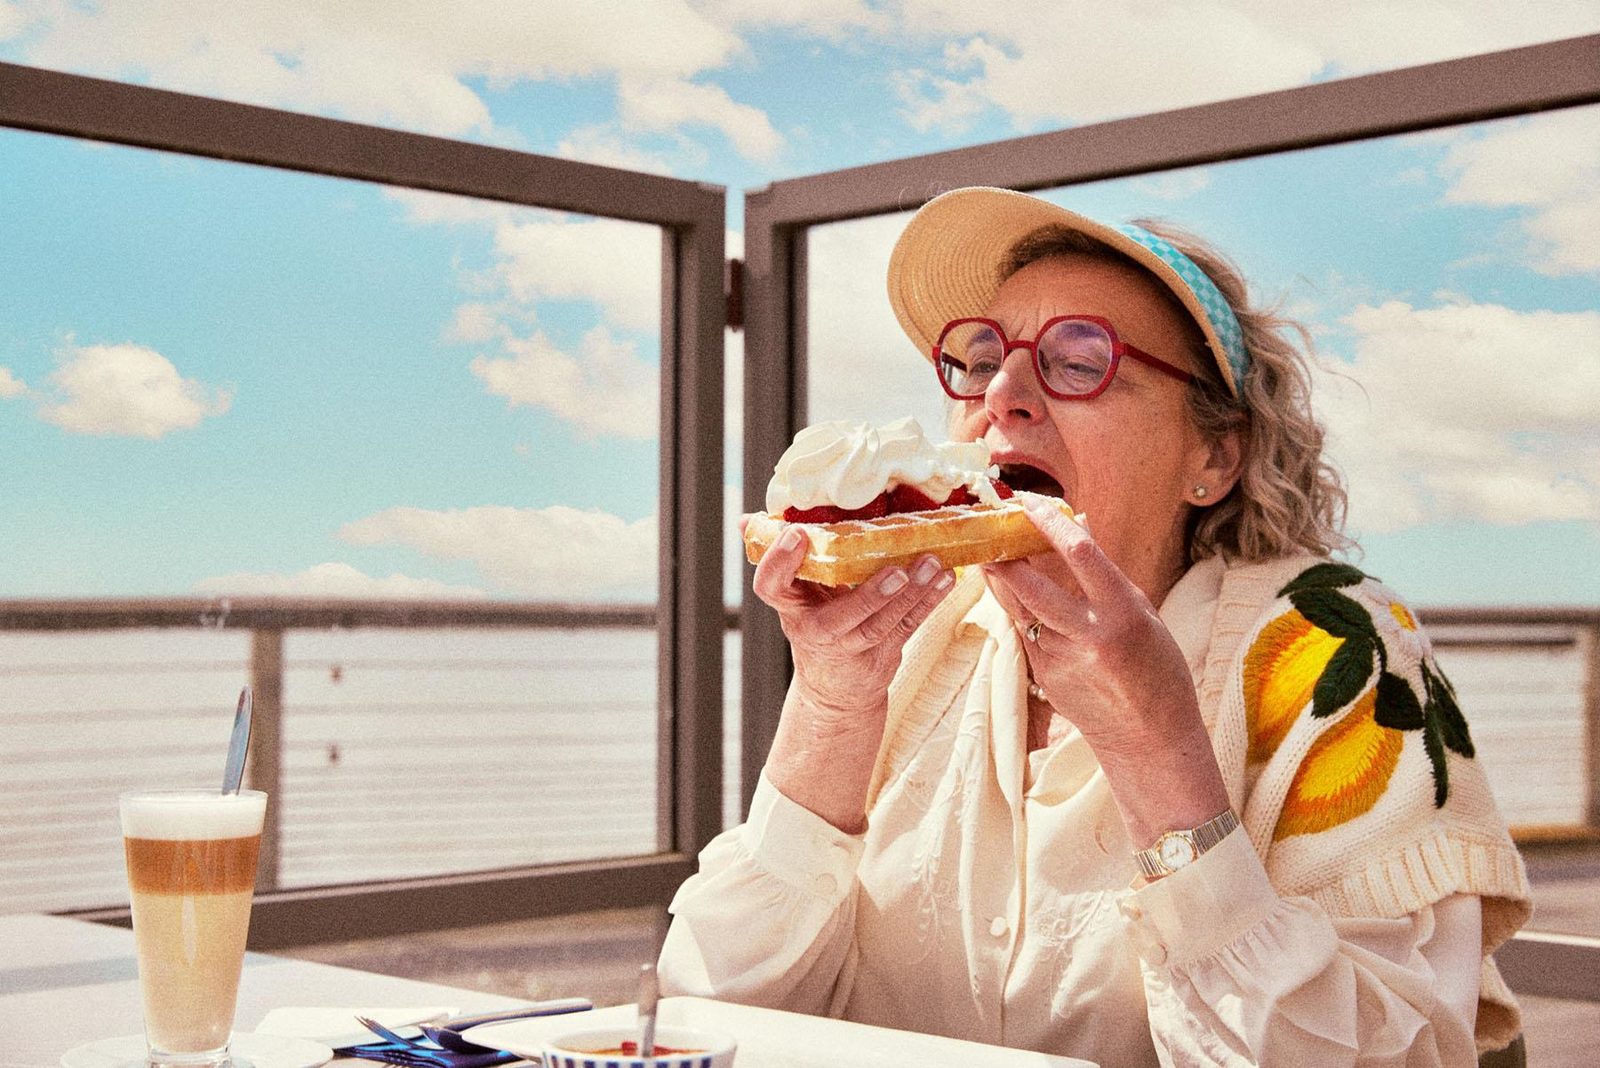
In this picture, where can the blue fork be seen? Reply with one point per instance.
(418, 1054)
(387, 1035)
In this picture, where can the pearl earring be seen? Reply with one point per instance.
(1200, 492)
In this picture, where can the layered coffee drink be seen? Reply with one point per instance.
(191, 875)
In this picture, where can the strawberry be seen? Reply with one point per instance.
(830, 513)
(874, 508)
(1001, 489)
(910, 499)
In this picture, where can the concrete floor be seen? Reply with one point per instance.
(597, 955)
(1566, 898)
(594, 955)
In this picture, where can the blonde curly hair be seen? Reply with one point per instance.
(1288, 497)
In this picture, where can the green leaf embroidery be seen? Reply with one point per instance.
(1315, 595)
(1397, 704)
(1344, 678)
(1335, 613)
(1324, 577)
(1432, 742)
(1443, 710)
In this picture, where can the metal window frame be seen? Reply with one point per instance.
(1516, 81)
(692, 218)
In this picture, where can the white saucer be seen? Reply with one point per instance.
(261, 1051)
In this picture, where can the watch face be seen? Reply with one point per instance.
(1176, 851)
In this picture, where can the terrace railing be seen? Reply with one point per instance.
(499, 760)
(430, 763)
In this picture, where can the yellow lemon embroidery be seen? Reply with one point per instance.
(1402, 615)
(1280, 672)
(1344, 773)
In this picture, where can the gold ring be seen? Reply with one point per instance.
(1032, 633)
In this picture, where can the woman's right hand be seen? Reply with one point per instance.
(846, 644)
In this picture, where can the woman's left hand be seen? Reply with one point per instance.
(1111, 667)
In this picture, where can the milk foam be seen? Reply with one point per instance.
(848, 464)
(192, 814)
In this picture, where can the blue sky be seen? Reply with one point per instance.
(223, 379)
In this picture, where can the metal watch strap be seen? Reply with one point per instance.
(1202, 838)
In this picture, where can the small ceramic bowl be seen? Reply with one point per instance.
(587, 1049)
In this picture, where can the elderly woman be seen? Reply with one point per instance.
(1183, 791)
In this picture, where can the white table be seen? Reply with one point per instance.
(76, 982)
(73, 982)
(771, 1039)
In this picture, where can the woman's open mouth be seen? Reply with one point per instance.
(1029, 478)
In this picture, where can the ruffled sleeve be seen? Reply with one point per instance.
(1237, 975)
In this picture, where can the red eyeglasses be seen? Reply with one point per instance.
(1075, 356)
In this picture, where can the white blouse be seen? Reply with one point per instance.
(994, 898)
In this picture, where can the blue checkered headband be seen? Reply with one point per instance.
(1217, 309)
(953, 253)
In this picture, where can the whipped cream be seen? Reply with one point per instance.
(848, 464)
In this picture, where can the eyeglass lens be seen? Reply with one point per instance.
(1074, 357)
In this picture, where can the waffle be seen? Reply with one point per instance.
(848, 553)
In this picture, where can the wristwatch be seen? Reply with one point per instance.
(1178, 849)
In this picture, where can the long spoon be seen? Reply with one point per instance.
(239, 744)
(649, 994)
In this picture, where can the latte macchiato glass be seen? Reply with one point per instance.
(191, 875)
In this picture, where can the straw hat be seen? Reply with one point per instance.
(947, 265)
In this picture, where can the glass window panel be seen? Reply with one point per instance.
(231, 382)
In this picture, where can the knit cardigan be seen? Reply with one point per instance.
(1341, 746)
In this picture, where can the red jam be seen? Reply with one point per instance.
(898, 500)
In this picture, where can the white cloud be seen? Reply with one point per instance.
(552, 554)
(613, 264)
(1047, 63)
(127, 390)
(668, 104)
(931, 101)
(606, 144)
(1366, 35)
(545, 255)
(556, 553)
(835, 20)
(335, 580)
(1548, 164)
(425, 208)
(12, 20)
(475, 323)
(604, 389)
(862, 367)
(11, 385)
(1467, 412)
